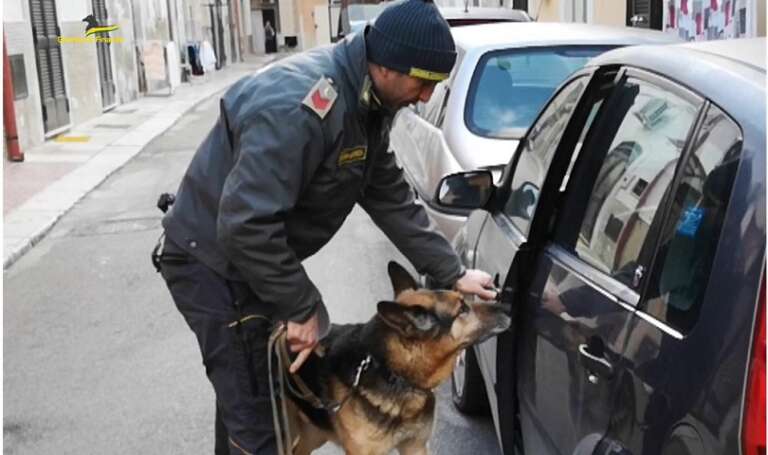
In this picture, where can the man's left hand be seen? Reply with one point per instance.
(478, 283)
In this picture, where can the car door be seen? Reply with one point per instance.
(585, 284)
(505, 231)
(690, 327)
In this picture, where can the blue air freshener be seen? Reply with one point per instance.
(690, 221)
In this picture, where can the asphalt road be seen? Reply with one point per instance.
(97, 359)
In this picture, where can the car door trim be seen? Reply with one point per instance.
(619, 293)
(594, 278)
(674, 333)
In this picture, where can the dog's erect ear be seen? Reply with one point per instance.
(401, 279)
(408, 321)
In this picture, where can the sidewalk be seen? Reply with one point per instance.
(55, 175)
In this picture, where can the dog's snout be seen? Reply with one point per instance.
(498, 315)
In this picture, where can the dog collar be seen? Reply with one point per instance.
(364, 364)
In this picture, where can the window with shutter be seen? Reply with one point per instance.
(50, 70)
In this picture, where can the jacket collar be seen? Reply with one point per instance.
(352, 52)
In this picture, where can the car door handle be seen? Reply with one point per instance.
(596, 365)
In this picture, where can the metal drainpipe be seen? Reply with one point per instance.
(238, 20)
(9, 110)
(232, 44)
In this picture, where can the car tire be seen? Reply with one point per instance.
(467, 386)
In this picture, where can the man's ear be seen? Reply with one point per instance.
(410, 322)
(401, 279)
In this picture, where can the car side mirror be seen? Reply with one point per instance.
(465, 190)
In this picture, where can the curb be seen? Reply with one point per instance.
(37, 216)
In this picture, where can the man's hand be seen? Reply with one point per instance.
(302, 338)
(478, 283)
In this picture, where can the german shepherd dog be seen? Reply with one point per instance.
(381, 374)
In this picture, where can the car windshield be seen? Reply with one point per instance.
(510, 87)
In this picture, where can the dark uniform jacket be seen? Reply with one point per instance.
(284, 166)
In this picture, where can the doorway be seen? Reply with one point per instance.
(270, 38)
(644, 14)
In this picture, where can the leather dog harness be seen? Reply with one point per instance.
(279, 346)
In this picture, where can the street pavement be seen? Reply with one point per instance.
(55, 175)
(96, 357)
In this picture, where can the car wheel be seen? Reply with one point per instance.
(467, 385)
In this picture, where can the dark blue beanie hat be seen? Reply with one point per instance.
(412, 37)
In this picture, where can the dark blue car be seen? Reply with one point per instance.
(628, 235)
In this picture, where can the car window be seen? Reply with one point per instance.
(689, 238)
(536, 154)
(510, 87)
(633, 164)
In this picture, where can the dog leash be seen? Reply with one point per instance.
(285, 443)
(286, 380)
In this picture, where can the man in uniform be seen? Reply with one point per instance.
(296, 146)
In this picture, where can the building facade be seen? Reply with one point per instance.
(690, 19)
(72, 60)
(697, 20)
(64, 76)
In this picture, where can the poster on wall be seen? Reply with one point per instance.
(702, 20)
(154, 60)
(155, 68)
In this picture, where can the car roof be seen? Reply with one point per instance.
(693, 64)
(731, 73)
(553, 33)
(450, 13)
(746, 51)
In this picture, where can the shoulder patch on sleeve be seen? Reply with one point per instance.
(321, 97)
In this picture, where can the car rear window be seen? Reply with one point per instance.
(510, 87)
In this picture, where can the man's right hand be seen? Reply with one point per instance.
(476, 282)
(302, 338)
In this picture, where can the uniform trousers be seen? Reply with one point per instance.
(234, 355)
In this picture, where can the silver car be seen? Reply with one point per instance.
(503, 76)
(355, 17)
